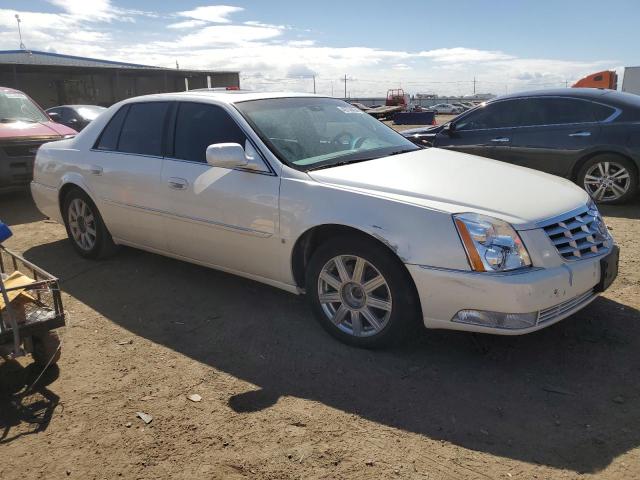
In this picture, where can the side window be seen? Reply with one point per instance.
(67, 114)
(108, 139)
(143, 128)
(556, 111)
(493, 115)
(601, 112)
(199, 125)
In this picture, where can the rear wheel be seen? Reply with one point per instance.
(609, 179)
(361, 293)
(85, 228)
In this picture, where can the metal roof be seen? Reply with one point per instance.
(34, 57)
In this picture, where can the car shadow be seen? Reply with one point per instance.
(25, 412)
(13, 211)
(629, 210)
(564, 397)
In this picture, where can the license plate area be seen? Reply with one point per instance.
(608, 269)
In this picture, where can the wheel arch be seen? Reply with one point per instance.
(69, 185)
(312, 238)
(580, 163)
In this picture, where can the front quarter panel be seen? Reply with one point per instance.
(416, 234)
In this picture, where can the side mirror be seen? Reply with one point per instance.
(449, 128)
(54, 116)
(226, 155)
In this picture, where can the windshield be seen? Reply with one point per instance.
(17, 107)
(309, 133)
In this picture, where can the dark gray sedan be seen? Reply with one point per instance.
(590, 136)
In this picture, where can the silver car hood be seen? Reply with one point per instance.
(454, 182)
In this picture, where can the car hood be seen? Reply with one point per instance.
(11, 130)
(456, 182)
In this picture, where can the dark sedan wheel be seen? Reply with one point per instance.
(361, 293)
(609, 179)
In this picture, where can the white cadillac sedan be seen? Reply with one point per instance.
(312, 195)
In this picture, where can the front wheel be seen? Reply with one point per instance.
(609, 179)
(361, 293)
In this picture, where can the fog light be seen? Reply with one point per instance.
(510, 321)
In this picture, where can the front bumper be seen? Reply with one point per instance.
(554, 293)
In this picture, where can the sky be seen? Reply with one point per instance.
(421, 46)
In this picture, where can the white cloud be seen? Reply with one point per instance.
(211, 13)
(299, 70)
(301, 43)
(401, 66)
(187, 24)
(224, 35)
(461, 54)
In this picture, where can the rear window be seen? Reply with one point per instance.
(109, 138)
(142, 129)
(559, 111)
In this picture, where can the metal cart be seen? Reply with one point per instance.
(31, 308)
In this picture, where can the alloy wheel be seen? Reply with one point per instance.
(82, 224)
(354, 295)
(607, 181)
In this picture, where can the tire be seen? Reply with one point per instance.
(46, 349)
(90, 237)
(384, 315)
(609, 179)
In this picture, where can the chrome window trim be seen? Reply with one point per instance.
(270, 173)
(617, 112)
(117, 152)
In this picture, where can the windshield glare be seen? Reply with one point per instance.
(312, 132)
(17, 107)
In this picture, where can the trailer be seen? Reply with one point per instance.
(30, 309)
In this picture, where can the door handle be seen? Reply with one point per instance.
(580, 134)
(177, 183)
(95, 169)
(500, 139)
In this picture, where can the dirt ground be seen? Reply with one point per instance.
(283, 400)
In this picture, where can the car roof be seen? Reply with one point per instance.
(9, 90)
(611, 97)
(231, 96)
(77, 106)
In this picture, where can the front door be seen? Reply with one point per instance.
(226, 218)
(486, 131)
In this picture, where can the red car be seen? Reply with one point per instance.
(24, 126)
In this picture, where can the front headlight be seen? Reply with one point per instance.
(492, 245)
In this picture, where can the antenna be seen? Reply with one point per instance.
(22, 47)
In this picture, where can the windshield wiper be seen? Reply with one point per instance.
(339, 164)
(404, 150)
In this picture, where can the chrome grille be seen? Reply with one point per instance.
(579, 235)
(554, 312)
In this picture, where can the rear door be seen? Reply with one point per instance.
(123, 171)
(485, 131)
(556, 132)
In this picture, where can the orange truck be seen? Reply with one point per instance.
(609, 79)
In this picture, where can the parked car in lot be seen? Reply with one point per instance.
(446, 108)
(23, 128)
(589, 136)
(75, 116)
(310, 194)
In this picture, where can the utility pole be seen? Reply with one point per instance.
(345, 85)
(22, 47)
(474, 85)
(314, 84)
(566, 84)
(332, 88)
